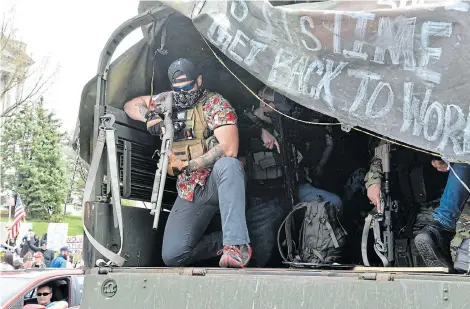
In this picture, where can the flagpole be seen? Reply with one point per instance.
(9, 213)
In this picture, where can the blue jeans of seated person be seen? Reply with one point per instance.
(184, 242)
(454, 197)
(264, 218)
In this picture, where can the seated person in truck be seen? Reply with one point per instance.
(208, 179)
(299, 134)
(433, 242)
(267, 200)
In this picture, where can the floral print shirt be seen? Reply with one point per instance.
(217, 112)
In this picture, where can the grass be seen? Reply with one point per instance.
(75, 226)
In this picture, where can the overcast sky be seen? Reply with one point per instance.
(73, 34)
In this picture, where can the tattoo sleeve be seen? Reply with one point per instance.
(142, 108)
(206, 160)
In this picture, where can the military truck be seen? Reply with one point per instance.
(376, 67)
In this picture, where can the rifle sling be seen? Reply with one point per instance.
(105, 136)
(378, 245)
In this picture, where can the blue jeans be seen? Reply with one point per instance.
(264, 217)
(307, 192)
(454, 197)
(184, 241)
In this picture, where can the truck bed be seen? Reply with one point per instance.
(175, 288)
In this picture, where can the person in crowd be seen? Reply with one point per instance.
(6, 261)
(61, 260)
(38, 260)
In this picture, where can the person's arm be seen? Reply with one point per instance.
(32, 245)
(137, 108)
(222, 119)
(227, 147)
(326, 153)
(373, 180)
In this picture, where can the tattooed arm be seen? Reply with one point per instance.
(227, 136)
(137, 108)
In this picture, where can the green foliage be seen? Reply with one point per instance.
(75, 171)
(40, 227)
(32, 160)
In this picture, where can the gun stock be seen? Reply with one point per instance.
(162, 168)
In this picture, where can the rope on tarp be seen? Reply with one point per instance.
(335, 123)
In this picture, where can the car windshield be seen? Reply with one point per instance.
(11, 286)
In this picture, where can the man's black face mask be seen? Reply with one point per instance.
(185, 100)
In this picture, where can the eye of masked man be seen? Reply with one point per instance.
(203, 157)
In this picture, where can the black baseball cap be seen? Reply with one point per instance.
(179, 67)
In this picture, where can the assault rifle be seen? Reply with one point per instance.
(382, 222)
(289, 160)
(288, 154)
(162, 167)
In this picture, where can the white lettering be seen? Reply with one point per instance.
(223, 38)
(361, 24)
(256, 47)
(450, 130)
(303, 28)
(324, 83)
(282, 61)
(268, 32)
(411, 110)
(298, 70)
(365, 77)
(431, 28)
(399, 42)
(337, 34)
(237, 40)
(286, 26)
(466, 136)
(403, 3)
(439, 110)
(241, 6)
(315, 64)
(373, 98)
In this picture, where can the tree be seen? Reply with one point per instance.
(21, 80)
(76, 171)
(32, 160)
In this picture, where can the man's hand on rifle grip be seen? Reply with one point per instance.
(373, 193)
(175, 165)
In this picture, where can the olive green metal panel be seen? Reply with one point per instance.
(286, 289)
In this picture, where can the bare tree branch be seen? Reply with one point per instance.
(20, 76)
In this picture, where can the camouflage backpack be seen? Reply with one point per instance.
(321, 235)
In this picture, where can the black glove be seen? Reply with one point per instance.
(156, 129)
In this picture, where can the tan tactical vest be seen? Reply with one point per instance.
(196, 146)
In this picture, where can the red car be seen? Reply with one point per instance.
(18, 287)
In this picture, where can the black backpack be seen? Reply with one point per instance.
(321, 235)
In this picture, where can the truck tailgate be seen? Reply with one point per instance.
(177, 288)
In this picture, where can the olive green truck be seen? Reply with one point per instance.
(320, 55)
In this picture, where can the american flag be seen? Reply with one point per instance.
(20, 214)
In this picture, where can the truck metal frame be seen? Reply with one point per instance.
(151, 287)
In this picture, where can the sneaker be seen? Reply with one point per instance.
(235, 256)
(433, 244)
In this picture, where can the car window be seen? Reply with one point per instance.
(30, 294)
(11, 286)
